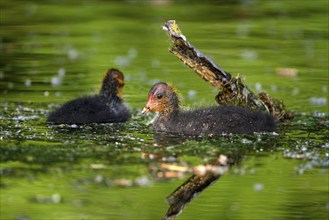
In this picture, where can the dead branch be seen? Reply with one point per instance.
(232, 90)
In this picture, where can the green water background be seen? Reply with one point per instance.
(53, 51)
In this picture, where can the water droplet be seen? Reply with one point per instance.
(132, 53)
(258, 187)
(56, 81)
(192, 94)
(61, 72)
(243, 30)
(56, 198)
(122, 61)
(143, 181)
(245, 141)
(319, 101)
(249, 55)
(258, 87)
(295, 92)
(98, 178)
(235, 207)
(28, 83)
(73, 54)
(274, 88)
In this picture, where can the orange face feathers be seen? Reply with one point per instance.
(161, 98)
(118, 76)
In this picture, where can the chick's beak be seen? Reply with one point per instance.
(149, 106)
(145, 110)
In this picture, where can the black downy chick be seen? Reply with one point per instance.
(211, 120)
(107, 107)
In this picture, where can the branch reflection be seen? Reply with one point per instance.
(203, 176)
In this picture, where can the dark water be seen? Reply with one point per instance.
(53, 51)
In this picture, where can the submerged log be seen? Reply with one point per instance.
(232, 90)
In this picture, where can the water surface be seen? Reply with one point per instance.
(53, 51)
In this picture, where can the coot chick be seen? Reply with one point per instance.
(103, 108)
(211, 120)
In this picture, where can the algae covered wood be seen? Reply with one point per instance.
(232, 90)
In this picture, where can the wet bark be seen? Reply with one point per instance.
(232, 90)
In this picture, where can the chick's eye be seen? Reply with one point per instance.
(159, 96)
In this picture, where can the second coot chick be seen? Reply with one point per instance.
(103, 108)
(211, 120)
